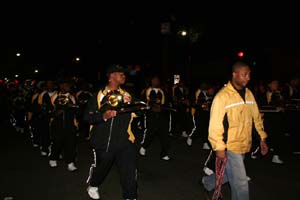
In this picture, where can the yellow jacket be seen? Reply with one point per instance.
(240, 115)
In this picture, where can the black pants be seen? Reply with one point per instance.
(84, 129)
(125, 158)
(293, 128)
(274, 126)
(201, 120)
(34, 132)
(157, 124)
(20, 118)
(63, 141)
(43, 132)
(181, 121)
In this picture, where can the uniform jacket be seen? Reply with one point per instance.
(229, 106)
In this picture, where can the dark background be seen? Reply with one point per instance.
(49, 37)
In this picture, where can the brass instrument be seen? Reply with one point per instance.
(115, 101)
(63, 100)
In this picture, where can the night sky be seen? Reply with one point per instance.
(50, 37)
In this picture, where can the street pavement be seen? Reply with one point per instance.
(25, 175)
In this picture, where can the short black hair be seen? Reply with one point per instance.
(238, 65)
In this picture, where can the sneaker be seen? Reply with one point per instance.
(72, 167)
(184, 134)
(17, 129)
(93, 192)
(142, 151)
(189, 141)
(43, 153)
(53, 163)
(208, 171)
(166, 158)
(205, 146)
(276, 160)
(35, 145)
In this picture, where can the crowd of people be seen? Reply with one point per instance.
(58, 113)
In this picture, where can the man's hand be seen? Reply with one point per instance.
(126, 98)
(109, 114)
(221, 154)
(264, 147)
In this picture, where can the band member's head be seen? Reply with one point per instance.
(116, 74)
(211, 90)
(240, 74)
(155, 82)
(65, 86)
(262, 88)
(274, 85)
(50, 85)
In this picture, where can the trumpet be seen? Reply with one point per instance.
(115, 101)
(65, 101)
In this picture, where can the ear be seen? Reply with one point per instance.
(233, 74)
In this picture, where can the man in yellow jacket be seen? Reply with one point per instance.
(233, 112)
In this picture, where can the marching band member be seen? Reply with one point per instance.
(44, 115)
(156, 120)
(63, 127)
(111, 138)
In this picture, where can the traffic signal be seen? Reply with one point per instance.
(240, 54)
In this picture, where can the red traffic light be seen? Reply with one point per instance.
(240, 54)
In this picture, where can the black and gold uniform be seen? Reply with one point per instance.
(182, 119)
(157, 122)
(43, 118)
(203, 100)
(111, 137)
(112, 141)
(82, 98)
(63, 128)
(33, 111)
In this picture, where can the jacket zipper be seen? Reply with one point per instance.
(110, 132)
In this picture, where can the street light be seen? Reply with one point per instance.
(36, 71)
(183, 33)
(18, 54)
(240, 54)
(77, 59)
(16, 76)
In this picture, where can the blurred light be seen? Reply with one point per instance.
(77, 59)
(18, 54)
(183, 33)
(36, 71)
(240, 54)
(16, 82)
(16, 75)
(5, 79)
(1, 81)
